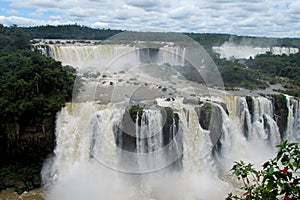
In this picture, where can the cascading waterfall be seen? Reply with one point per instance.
(293, 122)
(100, 56)
(196, 141)
(228, 51)
(90, 137)
(258, 123)
(151, 128)
(103, 152)
(149, 136)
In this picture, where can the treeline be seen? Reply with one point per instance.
(206, 39)
(69, 32)
(13, 38)
(210, 39)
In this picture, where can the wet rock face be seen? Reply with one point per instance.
(125, 131)
(24, 146)
(28, 142)
(204, 114)
(281, 112)
(210, 118)
(250, 105)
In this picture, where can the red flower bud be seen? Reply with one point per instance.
(286, 197)
(284, 171)
(245, 194)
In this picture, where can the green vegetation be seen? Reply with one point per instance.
(235, 74)
(136, 111)
(279, 68)
(33, 88)
(69, 32)
(13, 38)
(31, 84)
(278, 178)
(262, 70)
(171, 116)
(19, 171)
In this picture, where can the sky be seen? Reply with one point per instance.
(271, 18)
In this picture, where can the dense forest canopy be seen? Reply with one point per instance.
(69, 32)
(282, 69)
(33, 88)
(13, 38)
(31, 84)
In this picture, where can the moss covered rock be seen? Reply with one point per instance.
(210, 118)
(281, 112)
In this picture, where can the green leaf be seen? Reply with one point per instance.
(284, 159)
(279, 155)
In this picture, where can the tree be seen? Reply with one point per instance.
(31, 84)
(278, 178)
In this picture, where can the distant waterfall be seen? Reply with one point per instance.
(231, 50)
(85, 57)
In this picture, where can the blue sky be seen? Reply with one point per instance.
(270, 18)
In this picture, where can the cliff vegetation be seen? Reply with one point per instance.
(33, 88)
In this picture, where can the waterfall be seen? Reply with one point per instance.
(151, 128)
(197, 144)
(256, 120)
(149, 138)
(174, 145)
(293, 122)
(90, 135)
(229, 51)
(87, 56)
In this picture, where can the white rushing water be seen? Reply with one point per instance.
(101, 56)
(235, 51)
(88, 162)
(180, 146)
(293, 122)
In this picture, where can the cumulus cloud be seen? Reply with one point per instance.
(248, 17)
(21, 21)
(100, 25)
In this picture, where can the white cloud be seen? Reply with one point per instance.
(99, 25)
(184, 12)
(20, 21)
(248, 17)
(12, 12)
(38, 12)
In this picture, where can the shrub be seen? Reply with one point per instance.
(276, 180)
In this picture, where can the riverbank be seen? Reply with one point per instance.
(11, 194)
